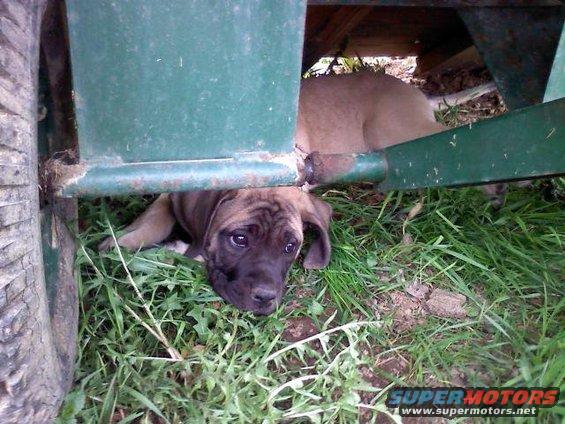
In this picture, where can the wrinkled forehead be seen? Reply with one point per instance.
(264, 211)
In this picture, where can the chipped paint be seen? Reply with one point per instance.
(292, 161)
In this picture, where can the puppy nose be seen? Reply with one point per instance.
(263, 294)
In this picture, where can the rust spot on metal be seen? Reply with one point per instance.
(215, 182)
(137, 183)
(255, 180)
(266, 156)
(59, 170)
(322, 168)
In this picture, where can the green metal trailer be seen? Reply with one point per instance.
(147, 97)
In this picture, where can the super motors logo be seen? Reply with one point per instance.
(471, 402)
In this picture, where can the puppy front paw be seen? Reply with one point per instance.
(177, 246)
(106, 244)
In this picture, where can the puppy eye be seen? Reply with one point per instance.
(289, 248)
(239, 240)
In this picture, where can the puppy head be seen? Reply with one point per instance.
(251, 238)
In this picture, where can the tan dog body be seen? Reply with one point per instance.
(357, 113)
(244, 235)
(362, 112)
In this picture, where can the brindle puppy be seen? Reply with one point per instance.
(247, 238)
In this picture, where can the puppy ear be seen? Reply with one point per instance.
(317, 214)
(195, 211)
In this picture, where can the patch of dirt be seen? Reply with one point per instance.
(430, 380)
(407, 239)
(449, 82)
(292, 306)
(375, 305)
(418, 290)
(454, 81)
(297, 294)
(299, 328)
(411, 308)
(478, 372)
(486, 106)
(337, 394)
(458, 378)
(119, 415)
(408, 312)
(376, 197)
(304, 292)
(369, 349)
(443, 303)
(400, 67)
(379, 376)
(384, 276)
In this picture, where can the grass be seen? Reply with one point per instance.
(156, 344)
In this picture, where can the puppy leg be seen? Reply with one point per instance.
(495, 193)
(153, 226)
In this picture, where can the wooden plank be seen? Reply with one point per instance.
(381, 46)
(316, 18)
(466, 58)
(457, 52)
(400, 31)
(332, 34)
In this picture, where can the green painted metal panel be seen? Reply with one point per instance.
(518, 45)
(439, 3)
(556, 84)
(344, 168)
(522, 144)
(184, 79)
